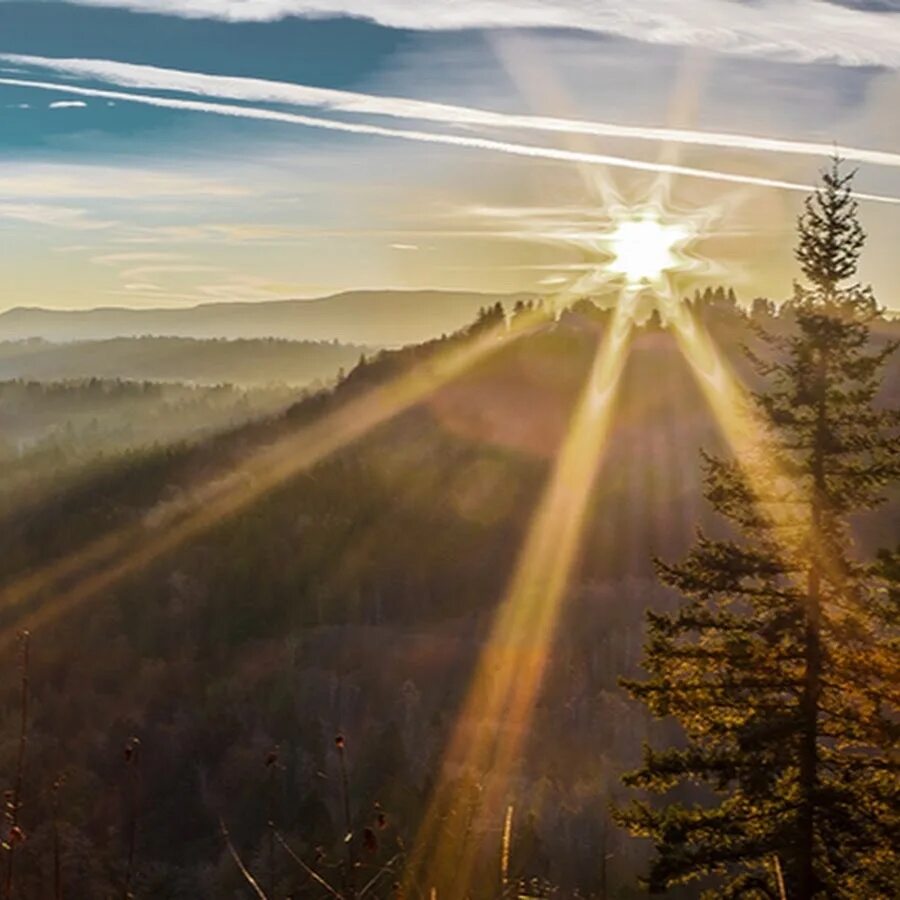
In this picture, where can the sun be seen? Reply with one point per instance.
(644, 248)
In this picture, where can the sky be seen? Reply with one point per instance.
(176, 152)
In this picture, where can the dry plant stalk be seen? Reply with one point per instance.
(57, 854)
(779, 877)
(240, 863)
(272, 767)
(504, 849)
(306, 868)
(14, 803)
(132, 761)
(340, 743)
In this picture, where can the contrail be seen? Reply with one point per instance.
(513, 149)
(260, 90)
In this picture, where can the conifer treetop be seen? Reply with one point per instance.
(831, 237)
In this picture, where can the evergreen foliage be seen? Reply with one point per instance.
(781, 664)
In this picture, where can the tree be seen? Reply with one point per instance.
(780, 665)
(762, 309)
(489, 317)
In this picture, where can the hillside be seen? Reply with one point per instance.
(54, 431)
(375, 318)
(353, 599)
(213, 361)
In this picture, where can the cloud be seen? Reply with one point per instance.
(114, 259)
(68, 104)
(263, 91)
(215, 233)
(56, 216)
(249, 287)
(58, 180)
(404, 246)
(804, 31)
(142, 271)
(529, 151)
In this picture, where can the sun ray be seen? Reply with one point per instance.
(104, 562)
(781, 499)
(682, 113)
(526, 63)
(494, 718)
(725, 394)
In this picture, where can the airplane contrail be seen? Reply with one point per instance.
(260, 90)
(514, 149)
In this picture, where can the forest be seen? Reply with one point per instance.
(54, 432)
(263, 708)
(257, 362)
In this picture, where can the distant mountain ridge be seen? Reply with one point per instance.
(371, 317)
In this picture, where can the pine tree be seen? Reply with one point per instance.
(781, 663)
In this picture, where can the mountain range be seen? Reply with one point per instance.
(372, 317)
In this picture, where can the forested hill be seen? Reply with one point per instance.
(352, 599)
(241, 362)
(56, 432)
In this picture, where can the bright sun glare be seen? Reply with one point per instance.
(645, 248)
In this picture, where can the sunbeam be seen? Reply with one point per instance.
(494, 718)
(452, 444)
(747, 434)
(101, 564)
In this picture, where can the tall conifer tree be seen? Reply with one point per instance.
(781, 664)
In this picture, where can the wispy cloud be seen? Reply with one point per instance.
(529, 151)
(64, 180)
(142, 271)
(52, 215)
(248, 287)
(800, 30)
(255, 90)
(116, 259)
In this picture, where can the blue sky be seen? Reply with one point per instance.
(152, 187)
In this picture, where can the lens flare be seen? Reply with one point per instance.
(494, 719)
(101, 564)
(645, 248)
(751, 440)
